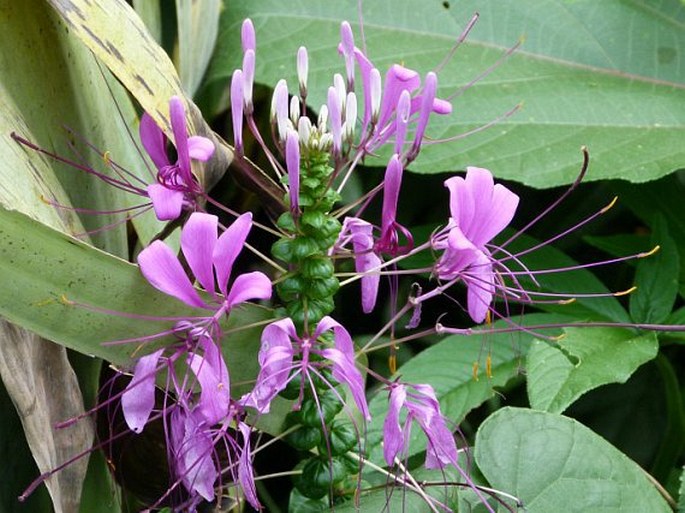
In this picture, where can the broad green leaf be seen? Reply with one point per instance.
(584, 359)
(656, 278)
(44, 272)
(620, 245)
(198, 24)
(117, 36)
(664, 197)
(553, 463)
(602, 74)
(449, 367)
(570, 282)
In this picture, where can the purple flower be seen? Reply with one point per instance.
(210, 258)
(479, 210)
(360, 234)
(421, 406)
(176, 186)
(138, 399)
(281, 344)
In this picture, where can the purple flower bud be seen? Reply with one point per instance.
(347, 44)
(335, 113)
(237, 109)
(294, 110)
(350, 115)
(302, 70)
(304, 130)
(292, 160)
(247, 36)
(248, 80)
(360, 234)
(279, 108)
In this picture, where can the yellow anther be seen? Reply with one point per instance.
(44, 199)
(488, 318)
(392, 363)
(611, 204)
(220, 386)
(106, 157)
(625, 292)
(650, 252)
(567, 301)
(475, 371)
(559, 337)
(488, 366)
(65, 301)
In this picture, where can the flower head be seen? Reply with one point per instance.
(421, 406)
(176, 186)
(281, 344)
(479, 210)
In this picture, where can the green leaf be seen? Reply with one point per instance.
(117, 36)
(656, 278)
(198, 24)
(553, 463)
(602, 74)
(449, 367)
(584, 359)
(664, 197)
(681, 493)
(44, 272)
(578, 282)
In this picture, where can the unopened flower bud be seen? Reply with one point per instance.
(247, 36)
(334, 109)
(339, 84)
(347, 39)
(323, 119)
(350, 115)
(237, 82)
(302, 70)
(294, 110)
(279, 108)
(248, 80)
(304, 130)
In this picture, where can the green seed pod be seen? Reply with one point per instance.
(329, 406)
(322, 289)
(341, 438)
(317, 268)
(313, 221)
(304, 438)
(286, 222)
(304, 247)
(321, 474)
(291, 288)
(282, 249)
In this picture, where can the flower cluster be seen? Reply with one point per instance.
(305, 355)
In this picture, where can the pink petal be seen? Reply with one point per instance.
(154, 141)
(393, 437)
(162, 269)
(167, 203)
(177, 113)
(275, 360)
(462, 207)
(364, 259)
(200, 148)
(245, 470)
(228, 248)
(504, 204)
(345, 372)
(480, 183)
(139, 398)
(391, 192)
(481, 288)
(460, 254)
(341, 337)
(198, 238)
(215, 387)
(200, 473)
(429, 89)
(397, 79)
(254, 285)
